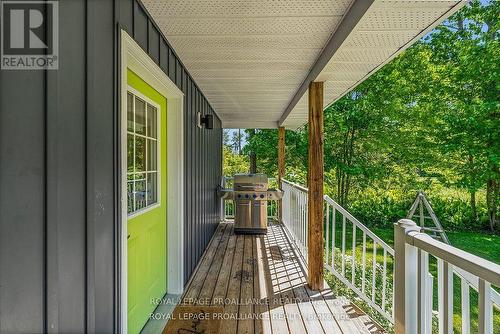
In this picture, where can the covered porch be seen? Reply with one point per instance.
(266, 67)
(262, 283)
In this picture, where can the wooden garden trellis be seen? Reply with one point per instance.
(422, 204)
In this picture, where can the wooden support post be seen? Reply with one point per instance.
(315, 185)
(281, 165)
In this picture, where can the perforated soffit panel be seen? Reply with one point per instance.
(249, 57)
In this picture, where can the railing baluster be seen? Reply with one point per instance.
(353, 265)
(296, 219)
(334, 222)
(298, 226)
(343, 245)
(446, 298)
(301, 220)
(429, 302)
(298, 222)
(374, 269)
(293, 204)
(440, 271)
(465, 306)
(304, 223)
(327, 231)
(384, 279)
(423, 271)
(363, 260)
(485, 308)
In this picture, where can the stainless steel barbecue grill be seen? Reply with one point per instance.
(250, 194)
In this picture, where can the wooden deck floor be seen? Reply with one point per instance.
(260, 281)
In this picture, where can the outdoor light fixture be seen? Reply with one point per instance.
(206, 121)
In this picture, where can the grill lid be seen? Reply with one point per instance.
(250, 182)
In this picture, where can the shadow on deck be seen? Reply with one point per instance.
(261, 283)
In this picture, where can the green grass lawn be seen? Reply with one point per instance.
(481, 244)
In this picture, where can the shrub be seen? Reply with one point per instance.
(382, 207)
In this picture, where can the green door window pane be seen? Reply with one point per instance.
(152, 124)
(140, 194)
(130, 112)
(152, 153)
(140, 154)
(130, 153)
(152, 189)
(140, 116)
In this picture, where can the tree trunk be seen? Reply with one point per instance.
(253, 163)
(342, 188)
(492, 201)
(348, 183)
(239, 141)
(337, 174)
(473, 206)
(343, 172)
(350, 155)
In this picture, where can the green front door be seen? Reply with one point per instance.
(146, 198)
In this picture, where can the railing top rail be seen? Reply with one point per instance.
(360, 225)
(295, 185)
(475, 265)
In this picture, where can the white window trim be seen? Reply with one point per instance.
(139, 212)
(134, 58)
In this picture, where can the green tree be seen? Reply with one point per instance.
(468, 50)
(234, 163)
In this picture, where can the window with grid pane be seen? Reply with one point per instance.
(142, 153)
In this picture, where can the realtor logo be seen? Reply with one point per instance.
(29, 35)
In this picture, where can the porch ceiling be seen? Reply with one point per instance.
(253, 58)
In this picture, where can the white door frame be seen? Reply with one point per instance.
(134, 58)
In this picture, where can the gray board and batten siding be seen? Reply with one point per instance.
(59, 173)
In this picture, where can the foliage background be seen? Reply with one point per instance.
(427, 120)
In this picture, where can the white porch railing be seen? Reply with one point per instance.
(414, 288)
(366, 264)
(294, 218)
(437, 232)
(370, 276)
(367, 273)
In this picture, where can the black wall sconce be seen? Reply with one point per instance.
(206, 121)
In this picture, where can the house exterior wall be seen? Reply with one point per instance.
(59, 181)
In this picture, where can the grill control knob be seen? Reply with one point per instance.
(246, 196)
(254, 196)
(262, 196)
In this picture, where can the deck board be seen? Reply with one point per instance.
(231, 306)
(263, 322)
(207, 290)
(246, 325)
(261, 282)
